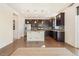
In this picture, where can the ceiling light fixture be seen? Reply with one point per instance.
(35, 22)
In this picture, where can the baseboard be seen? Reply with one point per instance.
(9, 49)
(69, 45)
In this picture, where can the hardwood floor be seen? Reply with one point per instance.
(48, 43)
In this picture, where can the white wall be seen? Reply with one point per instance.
(6, 25)
(6, 29)
(21, 23)
(70, 17)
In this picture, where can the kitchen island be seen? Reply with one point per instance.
(35, 35)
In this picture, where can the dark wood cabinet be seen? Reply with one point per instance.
(60, 36)
(57, 35)
(49, 33)
(60, 19)
(77, 10)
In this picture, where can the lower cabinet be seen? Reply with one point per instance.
(49, 33)
(60, 36)
(57, 35)
(54, 35)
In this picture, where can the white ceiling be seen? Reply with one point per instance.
(38, 10)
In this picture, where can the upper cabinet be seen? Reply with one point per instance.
(78, 10)
(60, 19)
(28, 22)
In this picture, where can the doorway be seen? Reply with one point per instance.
(15, 28)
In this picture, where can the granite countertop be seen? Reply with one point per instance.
(57, 30)
(35, 30)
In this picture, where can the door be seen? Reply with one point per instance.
(15, 28)
(14, 35)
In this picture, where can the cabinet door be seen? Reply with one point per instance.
(60, 36)
(60, 19)
(55, 35)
